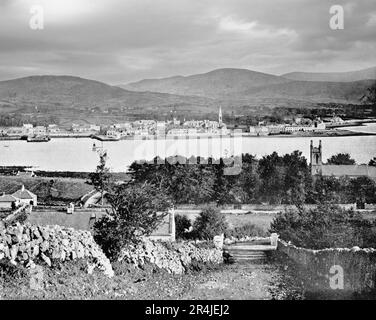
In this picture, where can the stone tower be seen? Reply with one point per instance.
(220, 116)
(316, 159)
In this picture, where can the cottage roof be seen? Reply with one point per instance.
(24, 194)
(8, 198)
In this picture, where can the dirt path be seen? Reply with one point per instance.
(238, 281)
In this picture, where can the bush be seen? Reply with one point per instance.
(136, 211)
(182, 224)
(325, 226)
(210, 223)
(247, 230)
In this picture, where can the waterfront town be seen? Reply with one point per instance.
(297, 125)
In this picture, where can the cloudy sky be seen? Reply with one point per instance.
(118, 41)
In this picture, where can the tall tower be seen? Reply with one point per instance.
(316, 159)
(220, 116)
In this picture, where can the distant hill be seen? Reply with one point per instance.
(71, 91)
(212, 84)
(313, 91)
(365, 74)
(252, 87)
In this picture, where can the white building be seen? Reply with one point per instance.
(26, 196)
(27, 129)
(53, 128)
(40, 130)
(258, 131)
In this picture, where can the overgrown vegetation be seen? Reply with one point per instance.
(246, 230)
(182, 227)
(210, 223)
(136, 211)
(101, 179)
(341, 159)
(325, 226)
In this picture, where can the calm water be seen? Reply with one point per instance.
(369, 127)
(77, 155)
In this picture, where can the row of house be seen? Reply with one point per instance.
(173, 127)
(25, 130)
(51, 129)
(20, 197)
(315, 126)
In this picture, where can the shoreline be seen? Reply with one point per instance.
(329, 133)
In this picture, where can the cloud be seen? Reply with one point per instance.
(230, 24)
(372, 20)
(119, 41)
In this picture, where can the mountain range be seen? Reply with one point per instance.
(242, 84)
(200, 93)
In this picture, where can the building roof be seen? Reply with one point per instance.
(349, 170)
(24, 194)
(7, 198)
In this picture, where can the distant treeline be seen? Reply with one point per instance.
(17, 120)
(279, 114)
(273, 179)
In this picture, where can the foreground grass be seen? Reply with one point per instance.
(71, 281)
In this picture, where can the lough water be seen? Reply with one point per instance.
(70, 154)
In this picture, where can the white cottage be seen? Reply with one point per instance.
(26, 196)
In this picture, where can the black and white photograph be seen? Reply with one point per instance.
(187, 153)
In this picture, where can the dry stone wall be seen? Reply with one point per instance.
(25, 243)
(324, 267)
(176, 258)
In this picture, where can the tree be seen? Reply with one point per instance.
(182, 224)
(362, 190)
(372, 162)
(210, 223)
(297, 180)
(370, 96)
(248, 182)
(136, 211)
(272, 173)
(341, 159)
(101, 179)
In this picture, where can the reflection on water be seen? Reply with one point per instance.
(78, 155)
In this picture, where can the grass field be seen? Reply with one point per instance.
(58, 189)
(261, 220)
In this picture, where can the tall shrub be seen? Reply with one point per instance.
(136, 211)
(211, 222)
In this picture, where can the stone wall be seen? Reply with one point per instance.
(323, 268)
(27, 243)
(84, 219)
(173, 257)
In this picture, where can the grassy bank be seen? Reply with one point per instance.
(48, 190)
